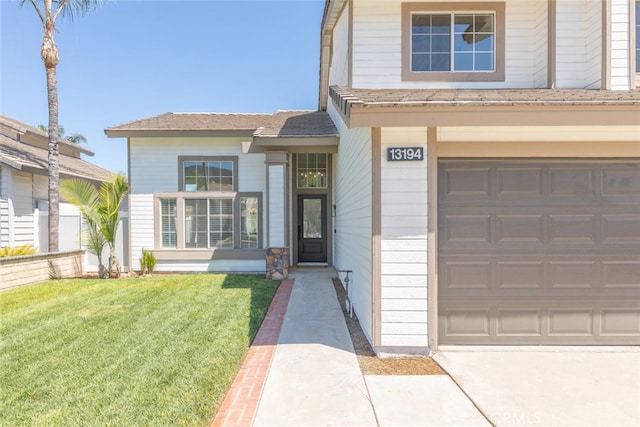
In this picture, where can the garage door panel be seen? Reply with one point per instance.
(621, 229)
(621, 180)
(559, 267)
(620, 321)
(468, 229)
(573, 274)
(467, 275)
(466, 182)
(621, 274)
(466, 322)
(519, 322)
(519, 183)
(572, 182)
(519, 230)
(519, 275)
(572, 322)
(572, 229)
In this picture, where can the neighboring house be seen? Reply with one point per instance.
(485, 188)
(24, 187)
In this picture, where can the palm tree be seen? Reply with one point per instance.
(48, 12)
(75, 138)
(101, 210)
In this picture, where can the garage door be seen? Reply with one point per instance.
(539, 252)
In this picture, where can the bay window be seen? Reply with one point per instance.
(207, 211)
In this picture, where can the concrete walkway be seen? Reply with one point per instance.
(315, 379)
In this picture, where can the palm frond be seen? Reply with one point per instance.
(82, 194)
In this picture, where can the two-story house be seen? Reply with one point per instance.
(475, 164)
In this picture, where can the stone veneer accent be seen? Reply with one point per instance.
(277, 263)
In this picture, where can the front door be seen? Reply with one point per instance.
(312, 228)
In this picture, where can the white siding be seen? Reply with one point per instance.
(276, 206)
(23, 207)
(353, 232)
(593, 65)
(377, 47)
(620, 46)
(227, 266)
(4, 222)
(542, 44)
(339, 70)
(40, 187)
(4, 206)
(404, 242)
(154, 169)
(578, 44)
(154, 162)
(141, 226)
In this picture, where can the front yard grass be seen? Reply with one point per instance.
(149, 351)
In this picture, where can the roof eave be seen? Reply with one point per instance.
(159, 133)
(543, 114)
(313, 144)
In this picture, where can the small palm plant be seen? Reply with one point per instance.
(101, 209)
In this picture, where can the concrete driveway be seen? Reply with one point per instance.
(556, 386)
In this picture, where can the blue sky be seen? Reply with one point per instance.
(128, 60)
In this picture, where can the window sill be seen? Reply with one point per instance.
(209, 254)
(411, 76)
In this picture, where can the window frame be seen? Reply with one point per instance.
(454, 8)
(324, 171)
(180, 198)
(634, 45)
(183, 159)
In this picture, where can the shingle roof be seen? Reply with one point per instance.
(297, 124)
(495, 97)
(281, 123)
(23, 128)
(28, 157)
(195, 121)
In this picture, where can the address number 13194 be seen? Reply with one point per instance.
(405, 153)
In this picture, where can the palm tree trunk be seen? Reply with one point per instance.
(49, 54)
(54, 160)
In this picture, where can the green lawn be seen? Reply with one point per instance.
(149, 351)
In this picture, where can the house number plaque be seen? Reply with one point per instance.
(400, 154)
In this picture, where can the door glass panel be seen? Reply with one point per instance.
(312, 219)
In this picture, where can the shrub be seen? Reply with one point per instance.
(147, 262)
(17, 251)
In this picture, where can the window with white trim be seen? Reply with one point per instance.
(208, 223)
(249, 208)
(637, 36)
(207, 211)
(453, 41)
(311, 170)
(201, 175)
(168, 229)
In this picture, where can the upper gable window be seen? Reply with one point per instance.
(208, 173)
(312, 170)
(453, 41)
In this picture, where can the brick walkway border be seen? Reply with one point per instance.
(241, 402)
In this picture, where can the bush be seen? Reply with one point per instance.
(147, 262)
(17, 251)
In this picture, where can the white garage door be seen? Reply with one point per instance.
(539, 252)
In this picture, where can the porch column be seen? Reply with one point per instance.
(277, 200)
